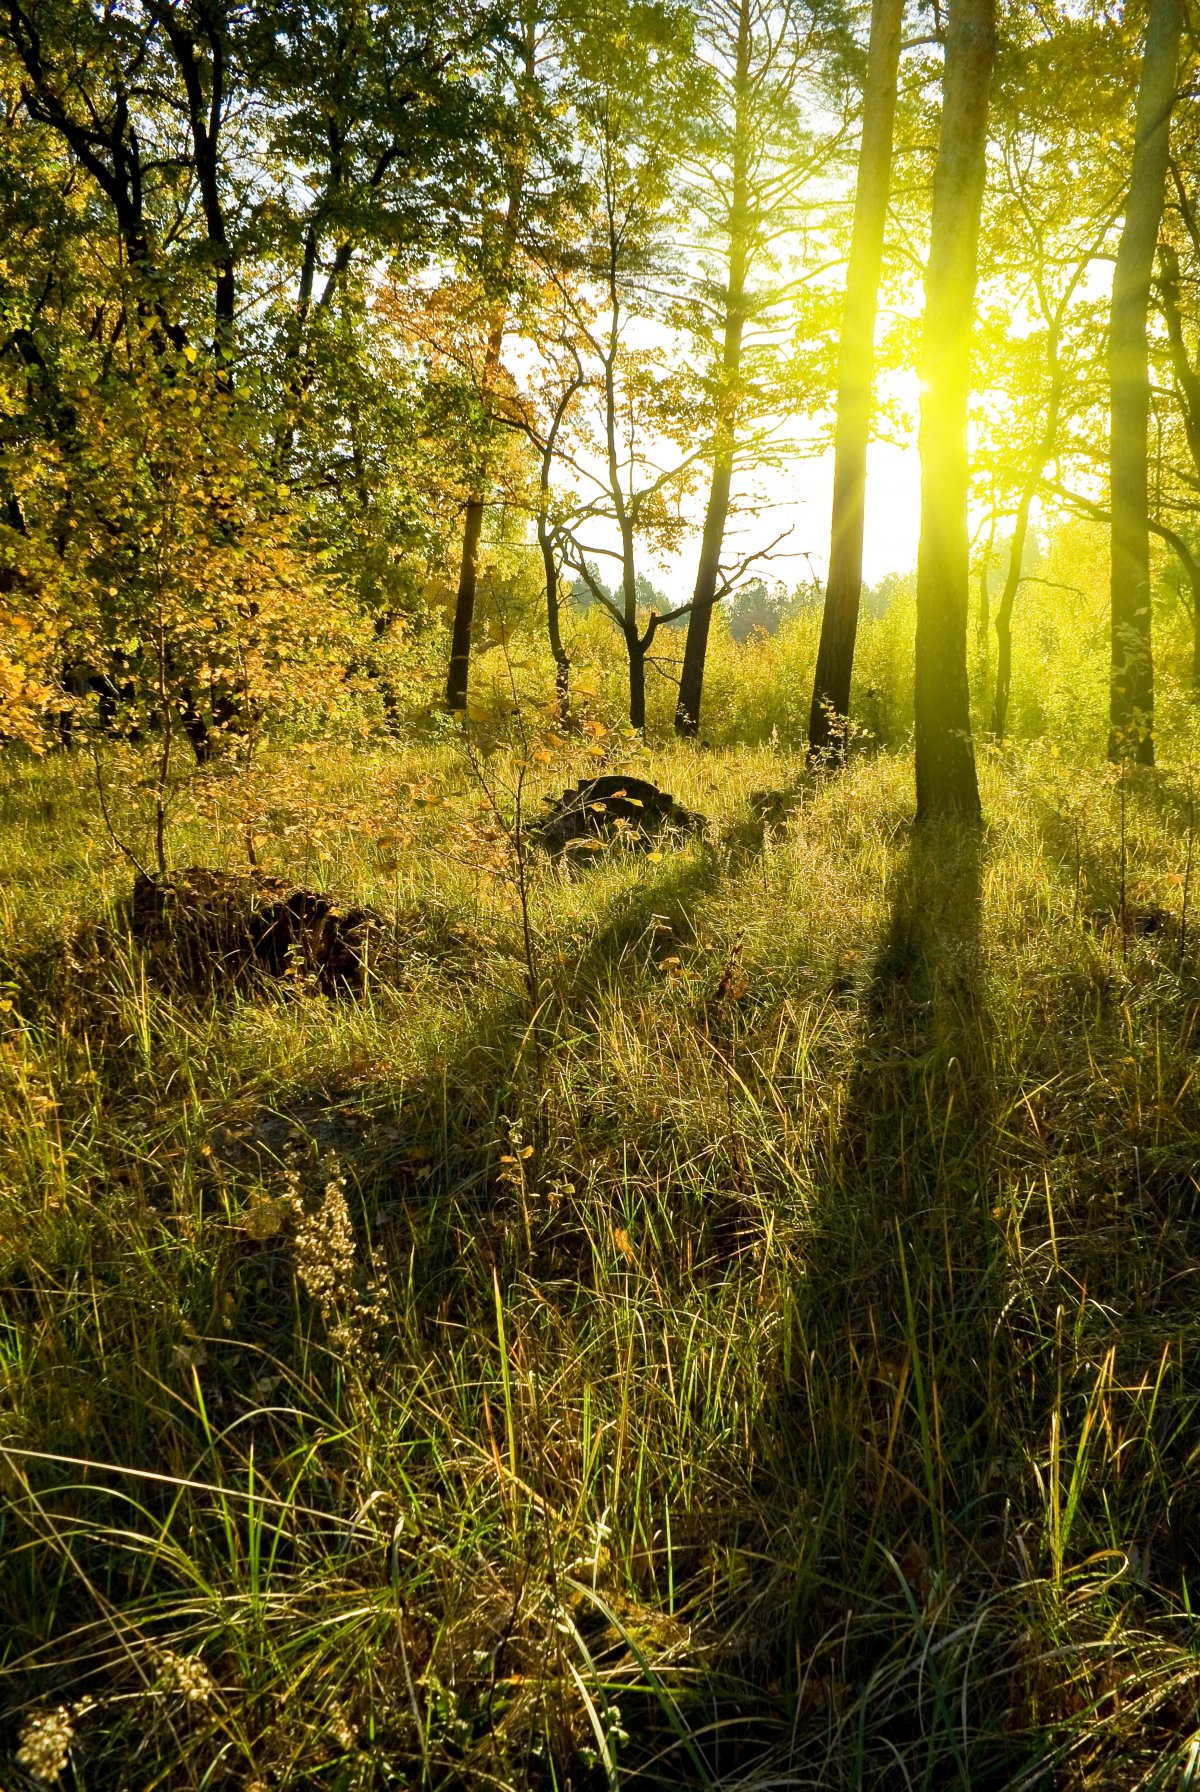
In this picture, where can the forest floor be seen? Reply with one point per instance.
(765, 1352)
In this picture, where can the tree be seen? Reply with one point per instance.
(1176, 481)
(633, 94)
(496, 273)
(839, 622)
(1131, 699)
(1056, 116)
(539, 406)
(754, 160)
(945, 759)
(207, 193)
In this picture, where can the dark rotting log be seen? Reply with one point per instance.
(205, 926)
(612, 810)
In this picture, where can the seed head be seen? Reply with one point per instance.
(46, 1743)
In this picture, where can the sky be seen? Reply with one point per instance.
(798, 499)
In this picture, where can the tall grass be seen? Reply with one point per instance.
(771, 1362)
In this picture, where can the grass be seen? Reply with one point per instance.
(773, 1362)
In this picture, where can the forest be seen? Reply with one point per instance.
(599, 992)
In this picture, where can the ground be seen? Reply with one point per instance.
(725, 1317)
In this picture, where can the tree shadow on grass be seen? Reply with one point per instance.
(889, 1422)
(911, 1150)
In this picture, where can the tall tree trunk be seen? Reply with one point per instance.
(1131, 692)
(695, 650)
(205, 118)
(1187, 395)
(983, 620)
(856, 362)
(1187, 376)
(468, 572)
(946, 780)
(464, 608)
(635, 644)
(1190, 563)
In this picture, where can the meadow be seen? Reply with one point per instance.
(727, 1318)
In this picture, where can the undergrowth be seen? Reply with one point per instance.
(771, 1359)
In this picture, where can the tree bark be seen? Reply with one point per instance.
(1191, 569)
(468, 570)
(546, 541)
(1187, 377)
(839, 622)
(562, 664)
(636, 647)
(1131, 691)
(945, 758)
(1004, 614)
(1187, 394)
(205, 118)
(464, 608)
(109, 150)
(695, 650)
(983, 623)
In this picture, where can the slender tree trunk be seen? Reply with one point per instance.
(839, 623)
(1016, 554)
(695, 650)
(983, 621)
(205, 120)
(468, 570)
(1131, 693)
(946, 780)
(983, 617)
(562, 664)
(1190, 562)
(1187, 392)
(636, 647)
(294, 383)
(1004, 614)
(1187, 377)
(634, 643)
